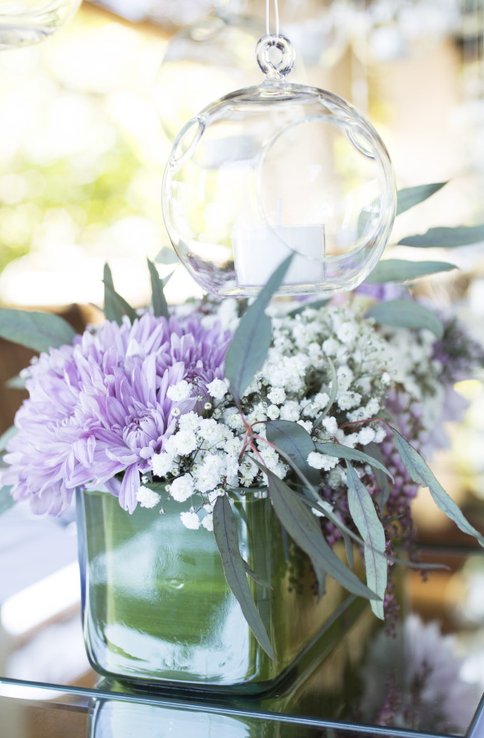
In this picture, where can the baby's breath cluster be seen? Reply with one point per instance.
(328, 369)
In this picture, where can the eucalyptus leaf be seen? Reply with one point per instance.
(349, 551)
(402, 270)
(6, 436)
(314, 501)
(257, 579)
(6, 500)
(115, 306)
(160, 305)
(408, 197)
(422, 474)
(406, 314)
(35, 330)
(226, 536)
(167, 256)
(17, 382)
(314, 305)
(351, 454)
(364, 515)
(252, 339)
(305, 531)
(373, 450)
(165, 280)
(295, 442)
(446, 237)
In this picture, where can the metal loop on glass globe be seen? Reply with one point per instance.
(275, 56)
(25, 22)
(274, 170)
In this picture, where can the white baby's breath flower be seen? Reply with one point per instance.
(190, 519)
(380, 434)
(366, 435)
(179, 391)
(386, 378)
(273, 412)
(209, 473)
(347, 332)
(207, 522)
(345, 377)
(182, 443)
(330, 346)
(290, 410)
(322, 461)
(190, 421)
(277, 395)
(211, 432)
(181, 488)
(162, 464)
(348, 400)
(233, 419)
(330, 424)
(218, 388)
(147, 497)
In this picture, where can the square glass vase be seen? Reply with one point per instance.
(158, 613)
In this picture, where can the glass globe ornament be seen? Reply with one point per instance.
(24, 22)
(204, 61)
(274, 170)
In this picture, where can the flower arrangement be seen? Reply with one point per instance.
(329, 406)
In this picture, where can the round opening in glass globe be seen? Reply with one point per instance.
(276, 170)
(24, 22)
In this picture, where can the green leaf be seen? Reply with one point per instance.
(257, 579)
(365, 517)
(226, 536)
(36, 331)
(421, 474)
(6, 500)
(160, 305)
(314, 501)
(406, 314)
(402, 270)
(373, 450)
(252, 339)
(351, 454)
(17, 382)
(6, 436)
(295, 442)
(115, 306)
(408, 197)
(446, 237)
(304, 529)
(314, 305)
(167, 256)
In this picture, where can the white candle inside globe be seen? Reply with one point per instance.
(259, 251)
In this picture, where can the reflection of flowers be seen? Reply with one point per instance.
(415, 680)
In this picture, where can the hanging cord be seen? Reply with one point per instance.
(276, 17)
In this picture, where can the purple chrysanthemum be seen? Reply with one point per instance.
(99, 409)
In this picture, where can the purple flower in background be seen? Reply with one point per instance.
(384, 291)
(99, 409)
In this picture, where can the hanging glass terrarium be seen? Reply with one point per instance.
(204, 61)
(25, 22)
(277, 169)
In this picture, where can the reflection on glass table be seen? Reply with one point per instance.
(426, 676)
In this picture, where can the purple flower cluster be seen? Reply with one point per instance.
(100, 408)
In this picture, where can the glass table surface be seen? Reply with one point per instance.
(426, 679)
